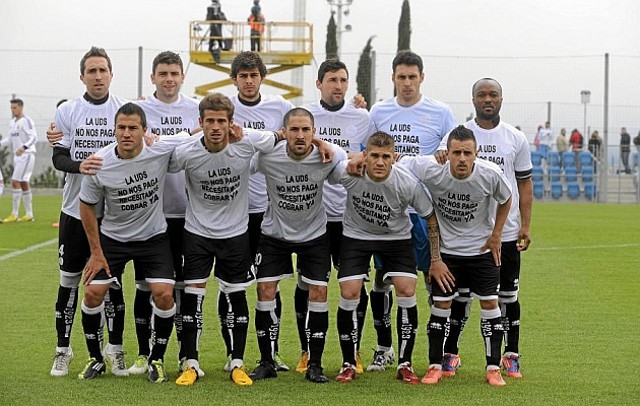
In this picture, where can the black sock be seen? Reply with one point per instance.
(407, 325)
(457, 321)
(192, 321)
(437, 333)
(237, 322)
(317, 326)
(92, 322)
(114, 311)
(348, 329)
(491, 329)
(278, 315)
(178, 296)
(223, 309)
(162, 326)
(381, 303)
(142, 317)
(511, 324)
(66, 306)
(361, 313)
(301, 303)
(266, 329)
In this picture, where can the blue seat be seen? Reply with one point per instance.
(556, 190)
(537, 174)
(590, 190)
(586, 158)
(553, 158)
(568, 159)
(536, 158)
(586, 172)
(571, 174)
(538, 189)
(554, 173)
(573, 190)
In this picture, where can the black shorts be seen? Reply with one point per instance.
(334, 233)
(273, 261)
(175, 230)
(233, 265)
(396, 257)
(510, 270)
(73, 247)
(477, 276)
(255, 230)
(151, 259)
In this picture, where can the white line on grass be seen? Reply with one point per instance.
(28, 249)
(585, 247)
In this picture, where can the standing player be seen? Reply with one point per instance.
(295, 221)
(85, 124)
(507, 147)
(260, 112)
(168, 113)
(465, 192)
(130, 183)
(216, 229)
(376, 221)
(418, 124)
(340, 123)
(22, 137)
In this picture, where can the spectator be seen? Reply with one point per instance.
(636, 158)
(625, 149)
(545, 138)
(214, 13)
(256, 21)
(577, 142)
(595, 147)
(562, 144)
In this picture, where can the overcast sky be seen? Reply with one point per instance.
(440, 28)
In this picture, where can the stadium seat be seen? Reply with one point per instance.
(537, 174)
(538, 189)
(590, 190)
(554, 173)
(553, 158)
(568, 159)
(586, 172)
(571, 174)
(573, 190)
(556, 190)
(585, 158)
(536, 158)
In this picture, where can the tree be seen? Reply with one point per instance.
(363, 78)
(331, 46)
(404, 28)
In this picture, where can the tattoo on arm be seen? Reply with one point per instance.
(434, 241)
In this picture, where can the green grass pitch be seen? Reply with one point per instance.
(580, 294)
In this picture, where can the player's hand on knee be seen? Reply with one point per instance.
(494, 244)
(439, 272)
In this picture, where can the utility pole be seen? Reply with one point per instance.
(338, 4)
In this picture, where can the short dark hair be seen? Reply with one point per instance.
(97, 52)
(168, 58)
(380, 139)
(461, 133)
(216, 102)
(297, 112)
(19, 102)
(132, 109)
(407, 58)
(248, 60)
(473, 88)
(331, 65)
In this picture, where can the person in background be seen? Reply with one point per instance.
(595, 147)
(562, 144)
(545, 139)
(625, 149)
(256, 22)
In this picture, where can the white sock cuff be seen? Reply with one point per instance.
(490, 314)
(348, 305)
(195, 291)
(318, 307)
(440, 312)
(266, 306)
(407, 302)
(92, 310)
(165, 314)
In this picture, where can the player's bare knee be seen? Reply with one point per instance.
(267, 291)
(489, 304)
(163, 298)
(317, 293)
(442, 304)
(94, 295)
